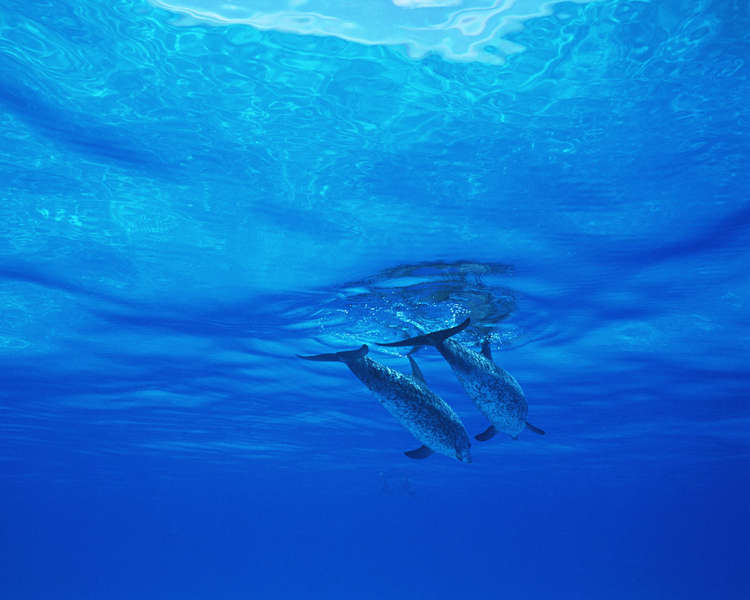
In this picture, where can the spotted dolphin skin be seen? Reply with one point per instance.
(427, 417)
(495, 392)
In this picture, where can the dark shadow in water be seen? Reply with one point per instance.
(722, 233)
(31, 273)
(80, 133)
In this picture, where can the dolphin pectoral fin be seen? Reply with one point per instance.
(415, 370)
(487, 434)
(486, 350)
(338, 356)
(421, 452)
(431, 339)
(536, 430)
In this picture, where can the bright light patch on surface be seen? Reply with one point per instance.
(463, 30)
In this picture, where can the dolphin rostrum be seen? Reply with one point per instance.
(495, 392)
(427, 417)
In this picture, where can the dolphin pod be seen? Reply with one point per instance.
(423, 413)
(495, 392)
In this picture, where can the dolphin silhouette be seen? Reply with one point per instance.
(495, 392)
(427, 417)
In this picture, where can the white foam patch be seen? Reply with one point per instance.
(462, 30)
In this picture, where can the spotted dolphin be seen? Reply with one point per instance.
(427, 417)
(495, 392)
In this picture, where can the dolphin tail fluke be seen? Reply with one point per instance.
(345, 356)
(530, 427)
(487, 434)
(431, 339)
(421, 452)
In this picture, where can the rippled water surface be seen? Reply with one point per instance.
(192, 194)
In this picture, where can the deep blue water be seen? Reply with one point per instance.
(185, 205)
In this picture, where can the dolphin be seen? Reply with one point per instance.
(495, 392)
(427, 417)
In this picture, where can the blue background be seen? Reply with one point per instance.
(186, 207)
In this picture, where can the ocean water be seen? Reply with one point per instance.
(192, 193)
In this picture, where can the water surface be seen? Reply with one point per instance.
(187, 204)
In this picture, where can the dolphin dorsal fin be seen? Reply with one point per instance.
(486, 350)
(415, 370)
